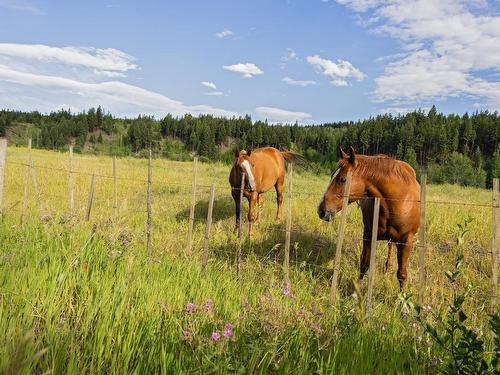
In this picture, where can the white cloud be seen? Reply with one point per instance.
(210, 85)
(215, 93)
(281, 115)
(339, 71)
(294, 82)
(224, 34)
(290, 55)
(21, 7)
(449, 44)
(53, 79)
(402, 110)
(247, 69)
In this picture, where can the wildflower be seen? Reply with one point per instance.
(428, 342)
(301, 314)
(286, 289)
(228, 330)
(215, 336)
(427, 308)
(414, 325)
(186, 334)
(190, 307)
(382, 328)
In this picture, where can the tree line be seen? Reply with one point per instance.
(461, 149)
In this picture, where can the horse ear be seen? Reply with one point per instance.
(342, 153)
(249, 152)
(352, 155)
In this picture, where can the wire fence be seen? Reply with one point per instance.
(197, 205)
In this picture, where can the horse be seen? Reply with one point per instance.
(264, 168)
(395, 183)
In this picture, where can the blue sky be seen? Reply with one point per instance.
(307, 60)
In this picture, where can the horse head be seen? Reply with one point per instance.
(244, 164)
(332, 199)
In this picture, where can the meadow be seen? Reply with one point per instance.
(72, 303)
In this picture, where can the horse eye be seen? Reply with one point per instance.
(342, 180)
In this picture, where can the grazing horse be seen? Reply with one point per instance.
(264, 168)
(395, 183)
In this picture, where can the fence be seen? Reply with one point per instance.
(195, 189)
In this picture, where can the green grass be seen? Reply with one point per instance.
(70, 305)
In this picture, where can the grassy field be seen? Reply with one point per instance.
(71, 305)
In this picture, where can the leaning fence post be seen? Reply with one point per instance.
(240, 228)
(373, 248)
(494, 248)
(150, 214)
(26, 183)
(209, 226)
(421, 241)
(71, 181)
(115, 190)
(340, 238)
(3, 155)
(91, 198)
(191, 209)
(286, 262)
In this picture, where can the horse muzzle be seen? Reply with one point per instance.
(324, 214)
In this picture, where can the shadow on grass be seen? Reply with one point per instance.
(222, 210)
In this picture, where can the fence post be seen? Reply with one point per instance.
(91, 198)
(71, 181)
(3, 155)
(115, 190)
(421, 241)
(150, 213)
(340, 239)
(494, 248)
(240, 227)
(191, 209)
(209, 226)
(26, 183)
(373, 248)
(286, 263)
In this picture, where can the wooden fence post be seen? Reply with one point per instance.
(373, 248)
(240, 227)
(192, 208)
(3, 155)
(421, 241)
(150, 213)
(41, 203)
(204, 259)
(340, 238)
(286, 262)
(91, 198)
(115, 190)
(494, 248)
(26, 184)
(71, 181)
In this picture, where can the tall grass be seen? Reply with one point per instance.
(71, 305)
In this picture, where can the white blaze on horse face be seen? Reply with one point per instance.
(248, 170)
(333, 178)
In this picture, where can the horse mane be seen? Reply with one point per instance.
(381, 167)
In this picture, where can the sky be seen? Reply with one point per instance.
(311, 61)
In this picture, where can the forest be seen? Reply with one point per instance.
(460, 149)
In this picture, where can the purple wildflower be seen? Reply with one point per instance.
(190, 307)
(215, 336)
(286, 289)
(228, 330)
(186, 334)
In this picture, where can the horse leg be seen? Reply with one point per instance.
(388, 264)
(237, 203)
(403, 255)
(364, 262)
(279, 197)
(260, 202)
(252, 200)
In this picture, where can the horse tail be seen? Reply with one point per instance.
(292, 157)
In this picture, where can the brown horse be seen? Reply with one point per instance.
(263, 168)
(395, 183)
